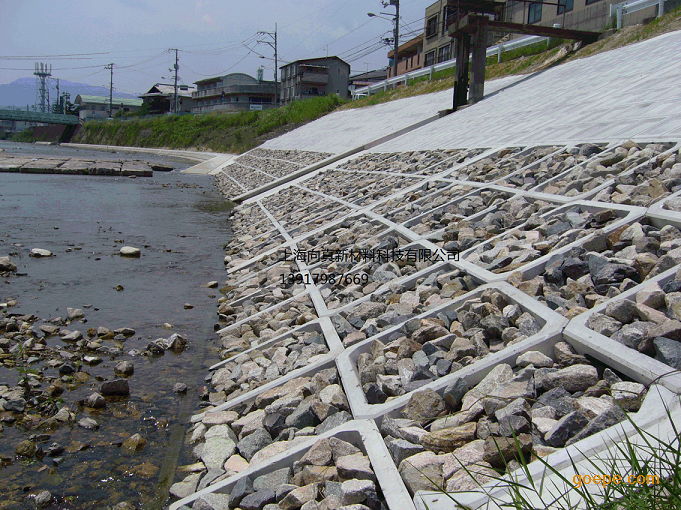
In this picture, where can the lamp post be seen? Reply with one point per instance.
(396, 31)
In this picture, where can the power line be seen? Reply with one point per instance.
(65, 55)
(320, 26)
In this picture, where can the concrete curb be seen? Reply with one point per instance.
(661, 216)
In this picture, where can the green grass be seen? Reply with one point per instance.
(219, 131)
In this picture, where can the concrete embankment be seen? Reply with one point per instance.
(394, 319)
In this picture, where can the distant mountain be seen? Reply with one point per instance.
(21, 92)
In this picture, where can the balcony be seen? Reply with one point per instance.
(234, 89)
(316, 78)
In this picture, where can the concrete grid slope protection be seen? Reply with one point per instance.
(392, 318)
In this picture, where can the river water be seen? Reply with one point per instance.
(180, 222)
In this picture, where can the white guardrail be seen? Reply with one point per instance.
(428, 71)
(619, 10)
(632, 6)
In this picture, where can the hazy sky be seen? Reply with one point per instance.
(213, 37)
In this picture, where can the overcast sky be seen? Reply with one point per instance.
(214, 37)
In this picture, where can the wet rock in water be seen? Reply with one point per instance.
(124, 368)
(66, 369)
(43, 498)
(88, 423)
(213, 284)
(95, 400)
(180, 388)
(26, 449)
(188, 306)
(118, 387)
(39, 252)
(6, 264)
(134, 443)
(130, 251)
(186, 487)
(75, 313)
(126, 332)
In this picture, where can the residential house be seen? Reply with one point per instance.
(590, 15)
(161, 98)
(97, 107)
(369, 78)
(233, 92)
(312, 77)
(409, 56)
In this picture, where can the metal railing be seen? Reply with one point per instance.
(630, 6)
(428, 71)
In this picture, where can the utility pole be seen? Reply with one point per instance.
(177, 67)
(110, 66)
(273, 35)
(396, 3)
(58, 95)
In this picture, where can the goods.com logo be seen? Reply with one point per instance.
(604, 480)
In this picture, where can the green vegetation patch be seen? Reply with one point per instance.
(218, 131)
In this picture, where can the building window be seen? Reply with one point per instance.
(431, 27)
(534, 13)
(566, 6)
(443, 54)
(589, 2)
(430, 58)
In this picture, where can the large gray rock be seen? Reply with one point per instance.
(356, 466)
(216, 450)
(611, 417)
(572, 379)
(357, 491)
(424, 405)
(668, 351)
(401, 449)
(258, 500)
(273, 479)
(567, 427)
(253, 443)
(186, 487)
(603, 324)
(242, 488)
(117, 387)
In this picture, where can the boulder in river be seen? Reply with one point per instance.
(130, 251)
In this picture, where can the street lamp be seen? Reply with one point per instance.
(396, 33)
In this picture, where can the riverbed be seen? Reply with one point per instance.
(180, 222)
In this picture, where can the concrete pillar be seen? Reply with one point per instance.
(463, 48)
(477, 89)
